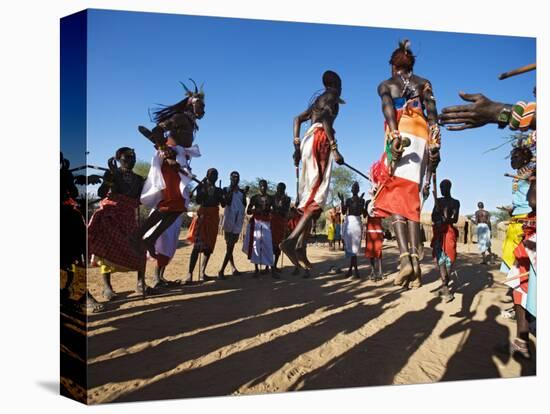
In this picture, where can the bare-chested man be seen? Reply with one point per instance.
(412, 138)
(279, 221)
(204, 228)
(233, 218)
(316, 150)
(444, 216)
(482, 219)
(353, 209)
(258, 243)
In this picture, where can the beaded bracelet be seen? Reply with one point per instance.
(522, 115)
(435, 135)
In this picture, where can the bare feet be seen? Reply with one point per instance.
(302, 258)
(288, 247)
(416, 277)
(405, 270)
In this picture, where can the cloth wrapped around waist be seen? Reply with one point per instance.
(203, 230)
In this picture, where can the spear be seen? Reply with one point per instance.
(518, 71)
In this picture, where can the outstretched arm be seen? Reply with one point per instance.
(479, 112)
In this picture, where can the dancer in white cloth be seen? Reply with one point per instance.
(166, 244)
(353, 208)
(233, 217)
(165, 190)
(258, 242)
(317, 150)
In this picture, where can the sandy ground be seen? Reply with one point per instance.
(246, 335)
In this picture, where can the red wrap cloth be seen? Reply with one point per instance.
(321, 155)
(444, 237)
(279, 225)
(374, 238)
(523, 262)
(293, 222)
(172, 199)
(110, 229)
(203, 230)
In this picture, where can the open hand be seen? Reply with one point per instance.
(111, 163)
(480, 112)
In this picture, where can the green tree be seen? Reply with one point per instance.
(142, 168)
(340, 182)
(255, 186)
(498, 215)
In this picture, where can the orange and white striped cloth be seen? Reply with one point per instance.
(400, 193)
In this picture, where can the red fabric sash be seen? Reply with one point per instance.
(447, 235)
(321, 154)
(279, 226)
(204, 228)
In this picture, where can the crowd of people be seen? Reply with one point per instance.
(401, 180)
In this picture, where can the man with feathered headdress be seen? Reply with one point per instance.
(166, 187)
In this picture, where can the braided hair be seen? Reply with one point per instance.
(402, 57)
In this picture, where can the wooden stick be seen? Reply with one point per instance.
(518, 71)
(357, 171)
(89, 166)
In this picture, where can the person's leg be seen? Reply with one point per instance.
(158, 278)
(301, 246)
(445, 292)
(192, 263)
(277, 254)
(141, 287)
(288, 246)
(380, 272)
(108, 292)
(66, 291)
(354, 264)
(520, 343)
(256, 271)
(401, 233)
(348, 273)
(167, 218)
(203, 275)
(415, 241)
(225, 259)
(372, 272)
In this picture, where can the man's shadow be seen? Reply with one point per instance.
(483, 340)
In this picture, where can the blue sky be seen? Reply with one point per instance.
(260, 74)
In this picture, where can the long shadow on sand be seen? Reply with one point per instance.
(377, 359)
(247, 299)
(475, 357)
(252, 366)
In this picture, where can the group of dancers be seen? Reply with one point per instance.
(401, 180)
